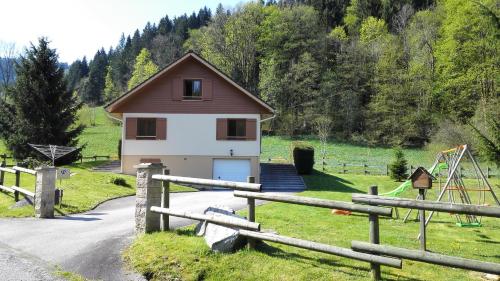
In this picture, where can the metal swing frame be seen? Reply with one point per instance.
(454, 182)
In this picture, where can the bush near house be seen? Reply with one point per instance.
(303, 157)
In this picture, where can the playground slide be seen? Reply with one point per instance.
(407, 184)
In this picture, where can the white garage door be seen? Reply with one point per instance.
(231, 170)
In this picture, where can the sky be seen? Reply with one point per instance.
(78, 28)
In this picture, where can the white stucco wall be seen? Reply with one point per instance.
(191, 134)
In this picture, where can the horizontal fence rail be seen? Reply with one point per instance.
(7, 189)
(8, 170)
(231, 222)
(24, 170)
(323, 248)
(315, 202)
(16, 189)
(423, 256)
(207, 182)
(428, 205)
(23, 191)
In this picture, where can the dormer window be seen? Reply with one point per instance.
(192, 89)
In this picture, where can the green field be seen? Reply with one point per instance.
(180, 255)
(101, 134)
(83, 191)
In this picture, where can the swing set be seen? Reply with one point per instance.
(448, 165)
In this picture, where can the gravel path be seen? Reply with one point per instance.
(18, 266)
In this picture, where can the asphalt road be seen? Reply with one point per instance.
(90, 243)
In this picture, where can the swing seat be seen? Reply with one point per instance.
(471, 224)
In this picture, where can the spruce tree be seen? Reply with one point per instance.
(92, 92)
(41, 109)
(398, 169)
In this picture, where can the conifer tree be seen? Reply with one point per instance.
(91, 91)
(42, 110)
(398, 169)
(143, 69)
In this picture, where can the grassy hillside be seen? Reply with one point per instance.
(101, 134)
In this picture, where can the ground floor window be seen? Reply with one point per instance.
(146, 128)
(236, 128)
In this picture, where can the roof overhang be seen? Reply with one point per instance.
(114, 104)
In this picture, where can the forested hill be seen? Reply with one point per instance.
(381, 72)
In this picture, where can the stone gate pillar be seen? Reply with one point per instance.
(45, 189)
(148, 194)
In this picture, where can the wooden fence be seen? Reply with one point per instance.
(251, 229)
(371, 204)
(379, 169)
(95, 157)
(370, 169)
(16, 188)
(45, 184)
(422, 255)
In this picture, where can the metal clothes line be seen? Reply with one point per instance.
(53, 152)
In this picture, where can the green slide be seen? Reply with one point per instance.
(407, 184)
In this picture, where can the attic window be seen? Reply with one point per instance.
(192, 89)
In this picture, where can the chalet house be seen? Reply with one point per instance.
(195, 120)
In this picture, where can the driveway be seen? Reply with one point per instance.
(90, 243)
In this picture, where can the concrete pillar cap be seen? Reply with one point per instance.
(41, 168)
(150, 165)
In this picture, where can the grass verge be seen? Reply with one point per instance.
(83, 191)
(180, 255)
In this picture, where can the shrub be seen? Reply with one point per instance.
(119, 181)
(398, 169)
(303, 157)
(33, 163)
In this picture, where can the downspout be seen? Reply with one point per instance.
(270, 118)
(264, 120)
(121, 149)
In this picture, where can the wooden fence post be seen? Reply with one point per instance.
(2, 173)
(165, 202)
(18, 184)
(421, 215)
(374, 235)
(251, 213)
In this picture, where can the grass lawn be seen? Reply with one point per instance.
(182, 256)
(83, 191)
(101, 134)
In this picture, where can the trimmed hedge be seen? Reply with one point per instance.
(303, 157)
